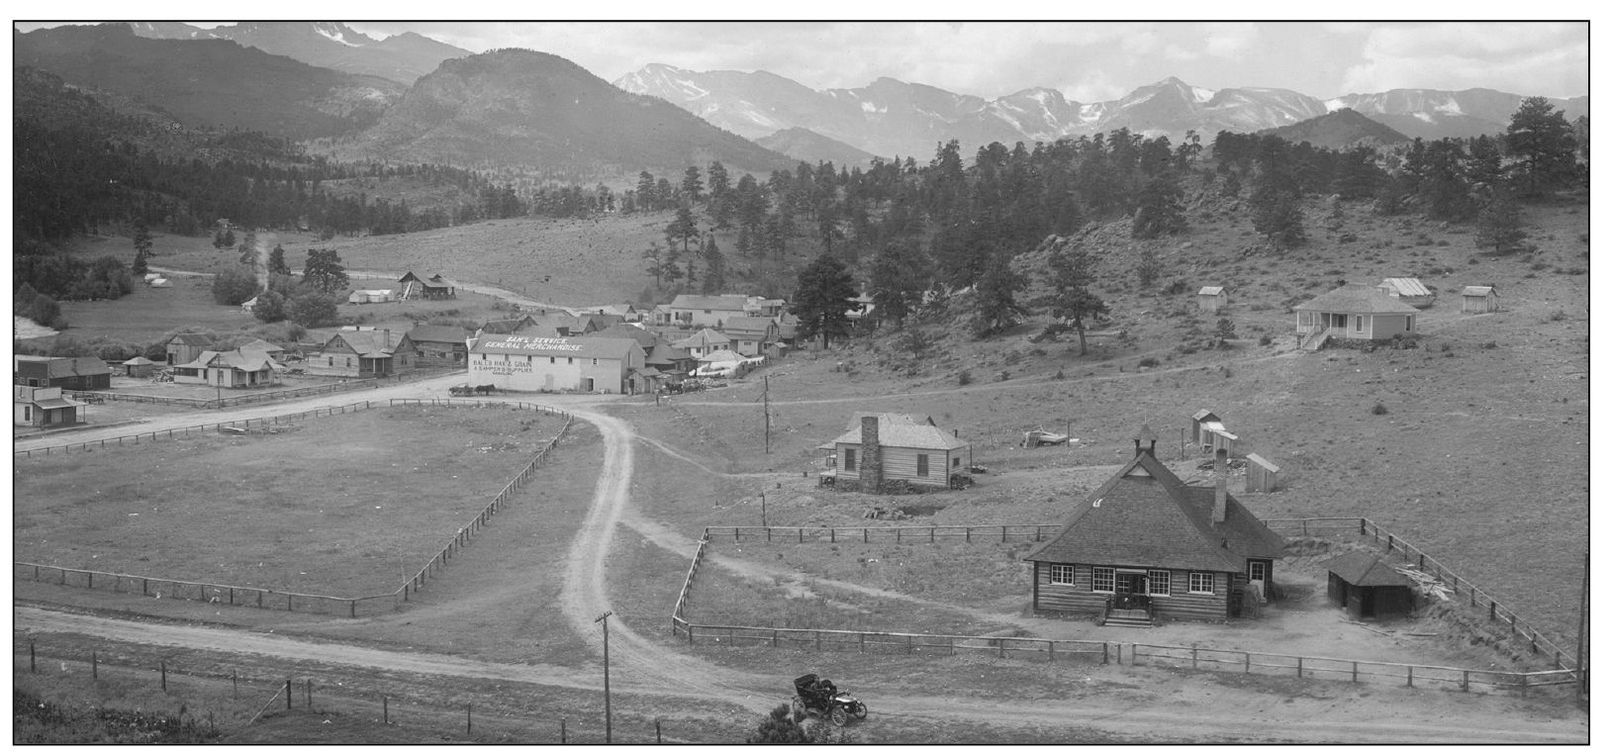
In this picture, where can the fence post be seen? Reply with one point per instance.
(287, 694)
(32, 667)
(1491, 606)
(1247, 663)
(1410, 675)
(1300, 666)
(1524, 684)
(1194, 660)
(385, 710)
(862, 639)
(562, 730)
(819, 639)
(1051, 651)
(908, 643)
(95, 666)
(467, 718)
(235, 682)
(307, 690)
(1104, 652)
(163, 667)
(657, 731)
(1003, 534)
(1465, 680)
(1356, 672)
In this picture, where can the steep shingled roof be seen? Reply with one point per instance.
(901, 430)
(1366, 569)
(1145, 516)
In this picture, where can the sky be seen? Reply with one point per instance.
(1088, 61)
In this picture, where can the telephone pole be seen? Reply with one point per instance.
(766, 406)
(605, 618)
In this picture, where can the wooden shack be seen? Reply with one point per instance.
(1262, 475)
(1368, 588)
(139, 366)
(1478, 299)
(1212, 298)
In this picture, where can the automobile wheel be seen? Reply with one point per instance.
(839, 716)
(859, 710)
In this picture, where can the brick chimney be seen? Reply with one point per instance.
(1145, 433)
(872, 459)
(1219, 485)
(385, 338)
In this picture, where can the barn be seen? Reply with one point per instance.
(1212, 298)
(186, 347)
(555, 364)
(1478, 299)
(433, 288)
(1144, 546)
(1368, 588)
(883, 448)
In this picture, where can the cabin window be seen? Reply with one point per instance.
(850, 460)
(1102, 579)
(922, 465)
(1201, 583)
(1256, 571)
(349, 361)
(956, 462)
(551, 359)
(595, 362)
(27, 413)
(1359, 323)
(1062, 575)
(1157, 582)
(331, 361)
(528, 359)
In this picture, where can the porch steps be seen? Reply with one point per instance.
(1316, 341)
(1128, 618)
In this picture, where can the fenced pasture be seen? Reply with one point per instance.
(717, 607)
(324, 515)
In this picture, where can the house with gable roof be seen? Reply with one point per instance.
(363, 353)
(440, 345)
(1355, 311)
(73, 373)
(879, 448)
(1146, 546)
(228, 368)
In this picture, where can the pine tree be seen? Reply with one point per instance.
(1543, 143)
(996, 292)
(1159, 210)
(824, 294)
(142, 249)
(1499, 224)
(1071, 298)
(1148, 268)
(276, 262)
(323, 272)
(898, 279)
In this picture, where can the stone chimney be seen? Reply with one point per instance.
(1146, 434)
(1219, 485)
(385, 338)
(872, 459)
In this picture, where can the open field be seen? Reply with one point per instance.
(347, 505)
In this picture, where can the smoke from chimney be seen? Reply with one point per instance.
(261, 267)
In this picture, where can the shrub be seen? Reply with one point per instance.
(44, 310)
(965, 378)
(1265, 340)
(233, 287)
(1147, 363)
(1378, 410)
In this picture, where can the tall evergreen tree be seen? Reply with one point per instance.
(1071, 298)
(1499, 223)
(276, 262)
(693, 188)
(898, 279)
(996, 305)
(324, 272)
(824, 294)
(1543, 144)
(142, 248)
(1159, 210)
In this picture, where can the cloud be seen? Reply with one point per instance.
(1517, 57)
(1230, 39)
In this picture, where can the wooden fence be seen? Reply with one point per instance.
(226, 699)
(924, 644)
(1460, 588)
(150, 436)
(882, 534)
(264, 396)
(1312, 667)
(267, 598)
(1352, 670)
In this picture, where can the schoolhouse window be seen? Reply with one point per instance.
(850, 459)
(1062, 575)
(1158, 582)
(1102, 579)
(1201, 583)
(922, 464)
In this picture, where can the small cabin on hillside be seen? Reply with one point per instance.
(1478, 299)
(1355, 311)
(433, 288)
(1409, 290)
(878, 449)
(1145, 546)
(1212, 298)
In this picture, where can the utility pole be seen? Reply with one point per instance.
(763, 524)
(766, 405)
(1582, 633)
(605, 618)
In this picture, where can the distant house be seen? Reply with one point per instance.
(1210, 433)
(433, 288)
(1353, 312)
(44, 407)
(1408, 290)
(552, 364)
(1212, 298)
(230, 368)
(378, 295)
(673, 362)
(1144, 546)
(363, 353)
(139, 366)
(186, 346)
(439, 345)
(265, 347)
(752, 335)
(1368, 588)
(705, 310)
(789, 329)
(82, 373)
(880, 448)
(505, 326)
(626, 311)
(705, 342)
(1478, 299)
